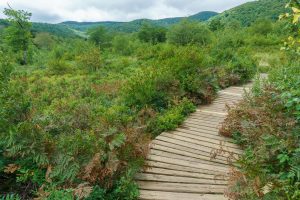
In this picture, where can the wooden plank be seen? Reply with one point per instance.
(162, 171)
(227, 99)
(202, 124)
(206, 139)
(211, 151)
(162, 153)
(216, 110)
(202, 143)
(162, 195)
(177, 179)
(231, 93)
(207, 156)
(181, 187)
(176, 167)
(207, 169)
(216, 133)
(233, 90)
(205, 134)
(204, 121)
(212, 112)
(206, 116)
(185, 144)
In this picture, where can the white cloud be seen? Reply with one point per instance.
(115, 10)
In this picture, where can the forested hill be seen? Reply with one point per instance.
(245, 13)
(251, 11)
(55, 29)
(59, 30)
(136, 24)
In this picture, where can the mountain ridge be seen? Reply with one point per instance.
(134, 25)
(245, 13)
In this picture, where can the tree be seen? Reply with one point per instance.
(152, 34)
(100, 36)
(215, 24)
(17, 34)
(122, 44)
(187, 32)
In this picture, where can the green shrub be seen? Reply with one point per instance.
(171, 118)
(149, 87)
(226, 45)
(124, 188)
(90, 59)
(191, 66)
(58, 66)
(243, 68)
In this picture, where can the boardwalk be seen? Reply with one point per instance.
(192, 162)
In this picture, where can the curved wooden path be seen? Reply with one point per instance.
(192, 162)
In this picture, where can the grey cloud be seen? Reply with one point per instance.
(117, 10)
(40, 16)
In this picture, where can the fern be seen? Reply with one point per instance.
(66, 168)
(117, 141)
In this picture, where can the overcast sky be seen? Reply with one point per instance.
(114, 10)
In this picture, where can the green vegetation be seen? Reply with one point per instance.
(58, 30)
(152, 34)
(18, 34)
(134, 26)
(186, 33)
(266, 125)
(76, 118)
(249, 12)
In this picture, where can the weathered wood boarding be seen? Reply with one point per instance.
(186, 164)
